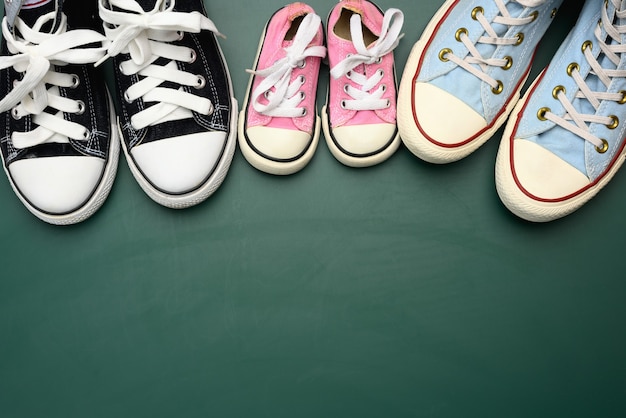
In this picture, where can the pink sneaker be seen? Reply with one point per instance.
(359, 118)
(279, 125)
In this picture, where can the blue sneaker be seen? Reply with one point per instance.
(464, 76)
(565, 139)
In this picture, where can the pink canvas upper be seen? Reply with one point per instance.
(273, 49)
(339, 49)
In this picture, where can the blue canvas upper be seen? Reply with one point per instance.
(466, 86)
(566, 145)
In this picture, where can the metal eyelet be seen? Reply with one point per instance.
(443, 53)
(200, 83)
(557, 90)
(460, 32)
(587, 44)
(266, 94)
(571, 68)
(15, 114)
(498, 89)
(381, 72)
(302, 64)
(614, 122)
(379, 60)
(127, 97)
(86, 134)
(553, 14)
(75, 81)
(534, 15)
(388, 105)
(604, 148)
(192, 56)
(81, 107)
(302, 80)
(509, 63)
(384, 88)
(623, 99)
(343, 104)
(541, 113)
(476, 11)
(302, 95)
(520, 39)
(304, 112)
(345, 88)
(180, 34)
(348, 75)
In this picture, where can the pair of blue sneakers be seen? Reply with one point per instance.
(564, 139)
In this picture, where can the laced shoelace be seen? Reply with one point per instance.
(35, 55)
(611, 50)
(282, 94)
(146, 37)
(474, 62)
(368, 97)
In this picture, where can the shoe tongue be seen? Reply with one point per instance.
(33, 9)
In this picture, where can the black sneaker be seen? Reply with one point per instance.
(59, 148)
(177, 116)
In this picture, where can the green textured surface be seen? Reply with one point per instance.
(402, 290)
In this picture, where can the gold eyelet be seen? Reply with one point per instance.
(605, 147)
(520, 38)
(509, 63)
(614, 122)
(570, 68)
(498, 89)
(553, 14)
(443, 53)
(534, 15)
(587, 44)
(557, 90)
(541, 113)
(476, 11)
(623, 99)
(460, 32)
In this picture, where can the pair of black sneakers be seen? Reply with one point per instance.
(60, 137)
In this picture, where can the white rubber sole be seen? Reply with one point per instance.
(99, 195)
(352, 161)
(525, 206)
(411, 135)
(200, 194)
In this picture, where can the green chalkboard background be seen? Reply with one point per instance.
(402, 290)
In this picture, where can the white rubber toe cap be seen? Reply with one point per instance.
(277, 143)
(364, 139)
(181, 164)
(57, 185)
(445, 118)
(543, 174)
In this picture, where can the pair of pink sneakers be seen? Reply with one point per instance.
(279, 125)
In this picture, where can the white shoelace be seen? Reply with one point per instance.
(146, 36)
(35, 54)
(283, 95)
(611, 50)
(475, 63)
(364, 98)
